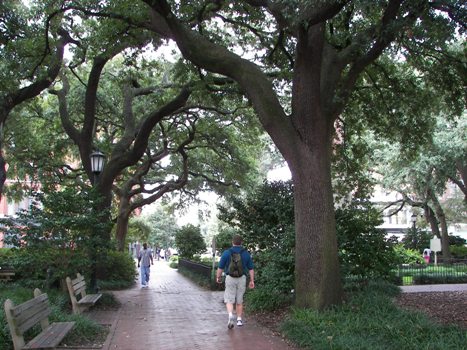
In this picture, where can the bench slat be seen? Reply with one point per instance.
(6, 274)
(28, 319)
(90, 299)
(78, 284)
(27, 304)
(30, 313)
(50, 337)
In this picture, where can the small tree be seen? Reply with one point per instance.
(189, 241)
(56, 235)
(417, 239)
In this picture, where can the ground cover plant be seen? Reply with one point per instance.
(369, 319)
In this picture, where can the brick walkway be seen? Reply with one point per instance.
(175, 314)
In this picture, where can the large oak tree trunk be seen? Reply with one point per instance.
(317, 263)
(318, 283)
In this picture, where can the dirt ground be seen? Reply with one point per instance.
(444, 307)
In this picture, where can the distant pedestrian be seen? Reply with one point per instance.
(168, 254)
(426, 255)
(236, 262)
(158, 251)
(145, 260)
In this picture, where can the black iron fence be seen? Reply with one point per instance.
(453, 271)
(201, 269)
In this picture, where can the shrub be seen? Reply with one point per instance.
(407, 256)
(173, 262)
(275, 271)
(48, 266)
(458, 252)
(417, 239)
(262, 299)
(265, 219)
(189, 241)
(117, 271)
(364, 251)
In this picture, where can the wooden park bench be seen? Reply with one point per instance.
(24, 316)
(6, 273)
(80, 301)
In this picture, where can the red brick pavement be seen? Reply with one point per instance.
(175, 314)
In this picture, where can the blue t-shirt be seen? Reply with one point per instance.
(247, 261)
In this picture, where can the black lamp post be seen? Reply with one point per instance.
(413, 218)
(97, 165)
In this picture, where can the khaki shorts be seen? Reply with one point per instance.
(234, 289)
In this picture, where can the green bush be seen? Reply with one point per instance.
(265, 219)
(117, 271)
(364, 251)
(46, 266)
(434, 279)
(407, 256)
(274, 271)
(458, 252)
(417, 239)
(263, 299)
(189, 241)
(173, 261)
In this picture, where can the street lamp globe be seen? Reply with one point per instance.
(97, 162)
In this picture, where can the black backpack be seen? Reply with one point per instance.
(236, 265)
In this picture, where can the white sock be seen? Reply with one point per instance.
(239, 318)
(230, 315)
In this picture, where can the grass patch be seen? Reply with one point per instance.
(370, 320)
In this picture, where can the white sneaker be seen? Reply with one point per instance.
(231, 322)
(144, 286)
(239, 322)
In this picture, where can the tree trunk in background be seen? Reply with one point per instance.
(122, 222)
(2, 173)
(444, 227)
(431, 218)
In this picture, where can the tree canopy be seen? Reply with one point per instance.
(313, 71)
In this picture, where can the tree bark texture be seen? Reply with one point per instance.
(122, 222)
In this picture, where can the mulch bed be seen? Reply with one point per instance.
(443, 307)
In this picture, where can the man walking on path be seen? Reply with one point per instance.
(145, 260)
(236, 262)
